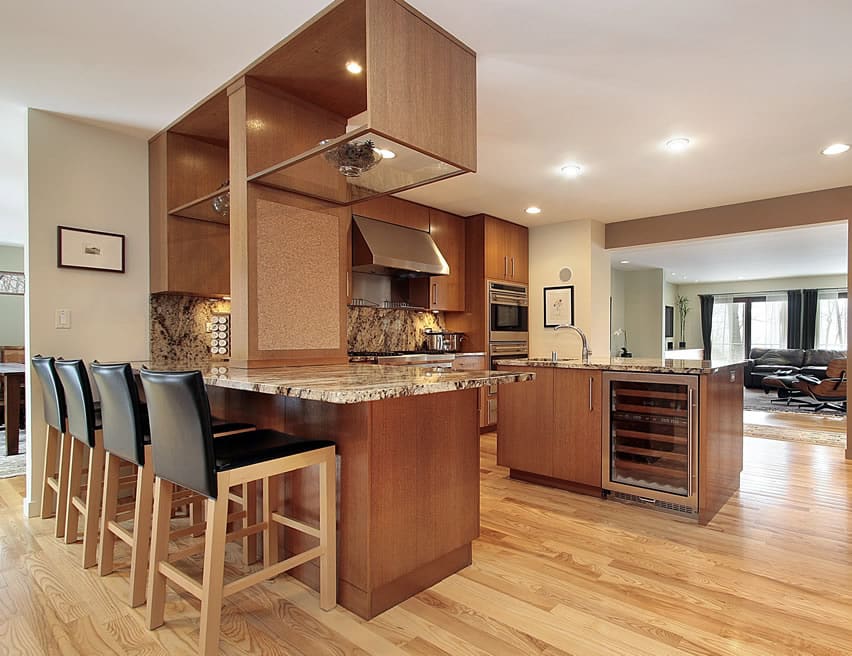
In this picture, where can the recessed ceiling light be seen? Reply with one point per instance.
(571, 170)
(354, 67)
(385, 153)
(678, 144)
(835, 149)
(533, 210)
(624, 262)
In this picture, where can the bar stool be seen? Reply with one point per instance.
(184, 452)
(84, 425)
(126, 440)
(57, 450)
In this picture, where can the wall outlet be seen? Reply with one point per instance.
(63, 319)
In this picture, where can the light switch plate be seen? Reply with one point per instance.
(63, 319)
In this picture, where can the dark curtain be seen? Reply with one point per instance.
(809, 318)
(706, 323)
(794, 318)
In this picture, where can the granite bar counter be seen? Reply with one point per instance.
(639, 365)
(407, 442)
(344, 383)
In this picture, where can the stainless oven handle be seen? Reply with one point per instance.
(689, 444)
(502, 298)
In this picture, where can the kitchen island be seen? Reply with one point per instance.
(407, 442)
(661, 432)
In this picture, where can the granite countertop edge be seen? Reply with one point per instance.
(645, 365)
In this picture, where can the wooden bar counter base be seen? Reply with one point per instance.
(408, 485)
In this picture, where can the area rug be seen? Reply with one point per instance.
(755, 399)
(13, 465)
(822, 438)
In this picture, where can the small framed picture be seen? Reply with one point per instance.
(558, 305)
(90, 249)
(12, 283)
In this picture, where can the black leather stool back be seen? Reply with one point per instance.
(78, 399)
(123, 418)
(52, 392)
(181, 430)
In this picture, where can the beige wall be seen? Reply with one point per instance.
(643, 305)
(88, 177)
(11, 306)
(693, 319)
(579, 245)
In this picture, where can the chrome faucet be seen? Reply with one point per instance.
(586, 351)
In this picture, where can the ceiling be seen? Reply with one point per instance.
(752, 256)
(759, 87)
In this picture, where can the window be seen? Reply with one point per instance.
(728, 329)
(741, 323)
(831, 319)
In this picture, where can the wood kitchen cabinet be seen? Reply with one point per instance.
(549, 430)
(395, 210)
(447, 292)
(506, 251)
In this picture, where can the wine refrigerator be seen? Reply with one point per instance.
(650, 439)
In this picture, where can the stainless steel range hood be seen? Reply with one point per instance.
(387, 249)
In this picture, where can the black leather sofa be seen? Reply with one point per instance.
(810, 362)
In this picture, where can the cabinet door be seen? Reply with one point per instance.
(518, 252)
(447, 292)
(496, 256)
(394, 210)
(577, 426)
(525, 423)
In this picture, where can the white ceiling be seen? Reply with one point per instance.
(760, 87)
(812, 251)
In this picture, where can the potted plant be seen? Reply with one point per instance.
(682, 310)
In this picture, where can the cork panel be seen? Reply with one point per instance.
(298, 278)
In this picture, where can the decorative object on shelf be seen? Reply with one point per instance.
(12, 283)
(682, 311)
(558, 305)
(353, 157)
(624, 352)
(78, 248)
(222, 203)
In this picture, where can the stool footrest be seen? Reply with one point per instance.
(180, 579)
(295, 524)
(272, 571)
(120, 532)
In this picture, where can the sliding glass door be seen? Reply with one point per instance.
(831, 320)
(728, 329)
(741, 323)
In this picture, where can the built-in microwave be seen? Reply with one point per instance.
(508, 312)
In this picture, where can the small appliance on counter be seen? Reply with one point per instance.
(443, 341)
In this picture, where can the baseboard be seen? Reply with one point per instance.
(31, 508)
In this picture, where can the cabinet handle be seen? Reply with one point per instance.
(591, 405)
(348, 289)
(689, 443)
(505, 267)
(435, 293)
(513, 268)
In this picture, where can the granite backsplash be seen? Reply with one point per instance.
(179, 326)
(379, 329)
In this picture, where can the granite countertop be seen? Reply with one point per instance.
(343, 383)
(647, 365)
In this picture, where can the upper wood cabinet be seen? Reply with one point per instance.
(313, 123)
(506, 251)
(448, 231)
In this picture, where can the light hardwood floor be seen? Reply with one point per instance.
(554, 573)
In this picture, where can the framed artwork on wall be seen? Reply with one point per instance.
(12, 283)
(78, 248)
(558, 305)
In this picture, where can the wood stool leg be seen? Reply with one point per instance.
(214, 570)
(328, 532)
(51, 454)
(249, 493)
(106, 551)
(65, 447)
(159, 552)
(270, 535)
(94, 496)
(142, 518)
(196, 516)
(75, 477)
